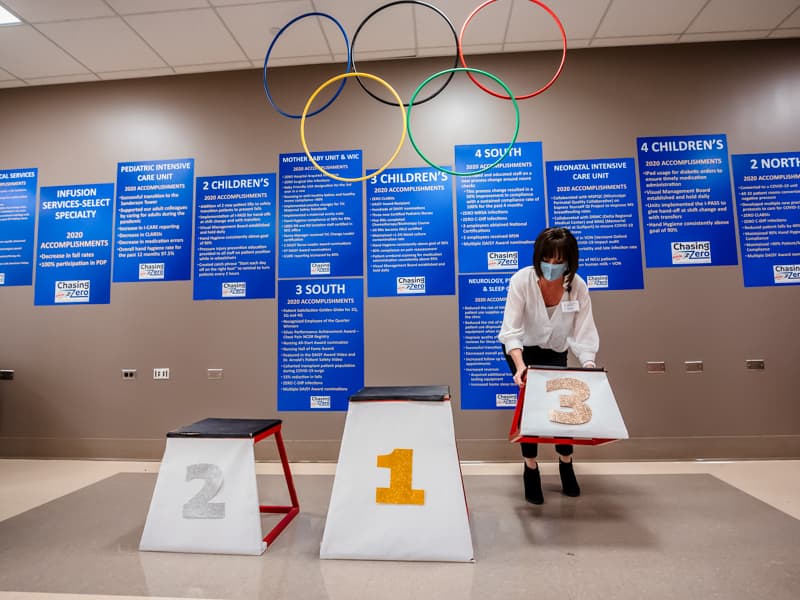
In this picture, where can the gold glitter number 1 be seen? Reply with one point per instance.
(580, 413)
(399, 462)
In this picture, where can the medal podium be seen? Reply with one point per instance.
(398, 492)
(206, 499)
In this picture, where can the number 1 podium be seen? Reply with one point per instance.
(223, 515)
(398, 492)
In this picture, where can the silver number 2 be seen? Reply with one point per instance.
(199, 507)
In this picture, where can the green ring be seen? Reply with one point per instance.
(453, 70)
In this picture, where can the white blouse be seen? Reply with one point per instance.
(526, 322)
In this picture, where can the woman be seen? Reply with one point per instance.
(548, 311)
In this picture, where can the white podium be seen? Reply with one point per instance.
(206, 498)
(398, 492)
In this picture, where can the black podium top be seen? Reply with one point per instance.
(224, 428)
(413, 392)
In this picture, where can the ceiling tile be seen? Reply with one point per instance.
(721, 36)
(102, 44)
(786, 33)
(38, 11)
(234, 66)
(131, 7)
(635, 18)
(531, 23)
(27, 53)
(136, 73)
(62, 79)
(12, 83)
(389, 29)
(488, 26)
(538, 46)
(188, 37)
(737, 15)
(5, 75)
(255, 26)
(229, 2)
(793, 21)
(433, 31)
(635, 41)
(288, 61)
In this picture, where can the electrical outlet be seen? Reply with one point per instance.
(7, 374)
(162, 373)
(656, 366)
(755, 363)
(694, 366)
(129, 374)
(215, 373)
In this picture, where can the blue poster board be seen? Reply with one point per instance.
(320, 343)
(73, 259)
(410, 233)
(321, 218)
(768, 208)
(153, 224)
(687, 207)
(17, 225)
(234, 248)
(501, 211)
(486, 381)
(596, 200)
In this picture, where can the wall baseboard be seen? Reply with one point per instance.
(655, 448)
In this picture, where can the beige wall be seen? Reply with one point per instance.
(68, 398)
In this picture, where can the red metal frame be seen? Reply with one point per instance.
(290, 511)
(514, 434)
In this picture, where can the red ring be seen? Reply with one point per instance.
(503, 96)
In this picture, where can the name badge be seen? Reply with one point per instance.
(569, 306)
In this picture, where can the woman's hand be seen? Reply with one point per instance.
(520, 375)
(589, 364)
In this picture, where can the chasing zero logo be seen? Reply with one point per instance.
(320, 268)
(502, 260)
(505, 400)
(151, 270)
(72, 291)
(411, 285)
(786, 273)
(688, 253)
(234, 289)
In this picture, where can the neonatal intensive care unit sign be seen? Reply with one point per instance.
(687, 208)
(153, 225)
(17, 222)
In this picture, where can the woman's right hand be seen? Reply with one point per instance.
(519, 376)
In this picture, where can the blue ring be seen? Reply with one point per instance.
(272, 45)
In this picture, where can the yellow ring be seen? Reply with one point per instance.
(308, 106)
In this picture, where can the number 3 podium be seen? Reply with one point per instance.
(398, 492)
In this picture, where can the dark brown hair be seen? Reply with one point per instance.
(557, 242)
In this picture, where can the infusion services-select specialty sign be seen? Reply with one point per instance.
(73, 262)
(687, 207)
(17, 224)
(153, 225)
(410, 233)
(234, 249)
(768, 206)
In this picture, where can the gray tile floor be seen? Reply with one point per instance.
(628, 536)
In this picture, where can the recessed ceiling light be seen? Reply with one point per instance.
(6, 18)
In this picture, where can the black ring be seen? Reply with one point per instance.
(390, 4)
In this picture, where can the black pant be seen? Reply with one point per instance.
(534, 355)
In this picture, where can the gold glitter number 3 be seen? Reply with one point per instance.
(399, 462)
(580, 413)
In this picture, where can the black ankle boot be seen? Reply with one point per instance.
(533, 485)
(569, 484)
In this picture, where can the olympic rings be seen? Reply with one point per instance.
(467, 70)
(390, 4)
(308, 105)
(541, 89)
(272, 45)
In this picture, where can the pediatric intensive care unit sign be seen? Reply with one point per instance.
(596, 200)
(320, 342)
(73, 261)
(410, 233)
(501, 211)
(321, 223)
(768, 206)
(234, 246)
(687, 206)
(153, 225)
(486, 381)
(17, 224)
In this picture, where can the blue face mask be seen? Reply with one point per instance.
(552, 271)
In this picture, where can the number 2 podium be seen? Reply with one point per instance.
(223, 515)
(398, 492)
